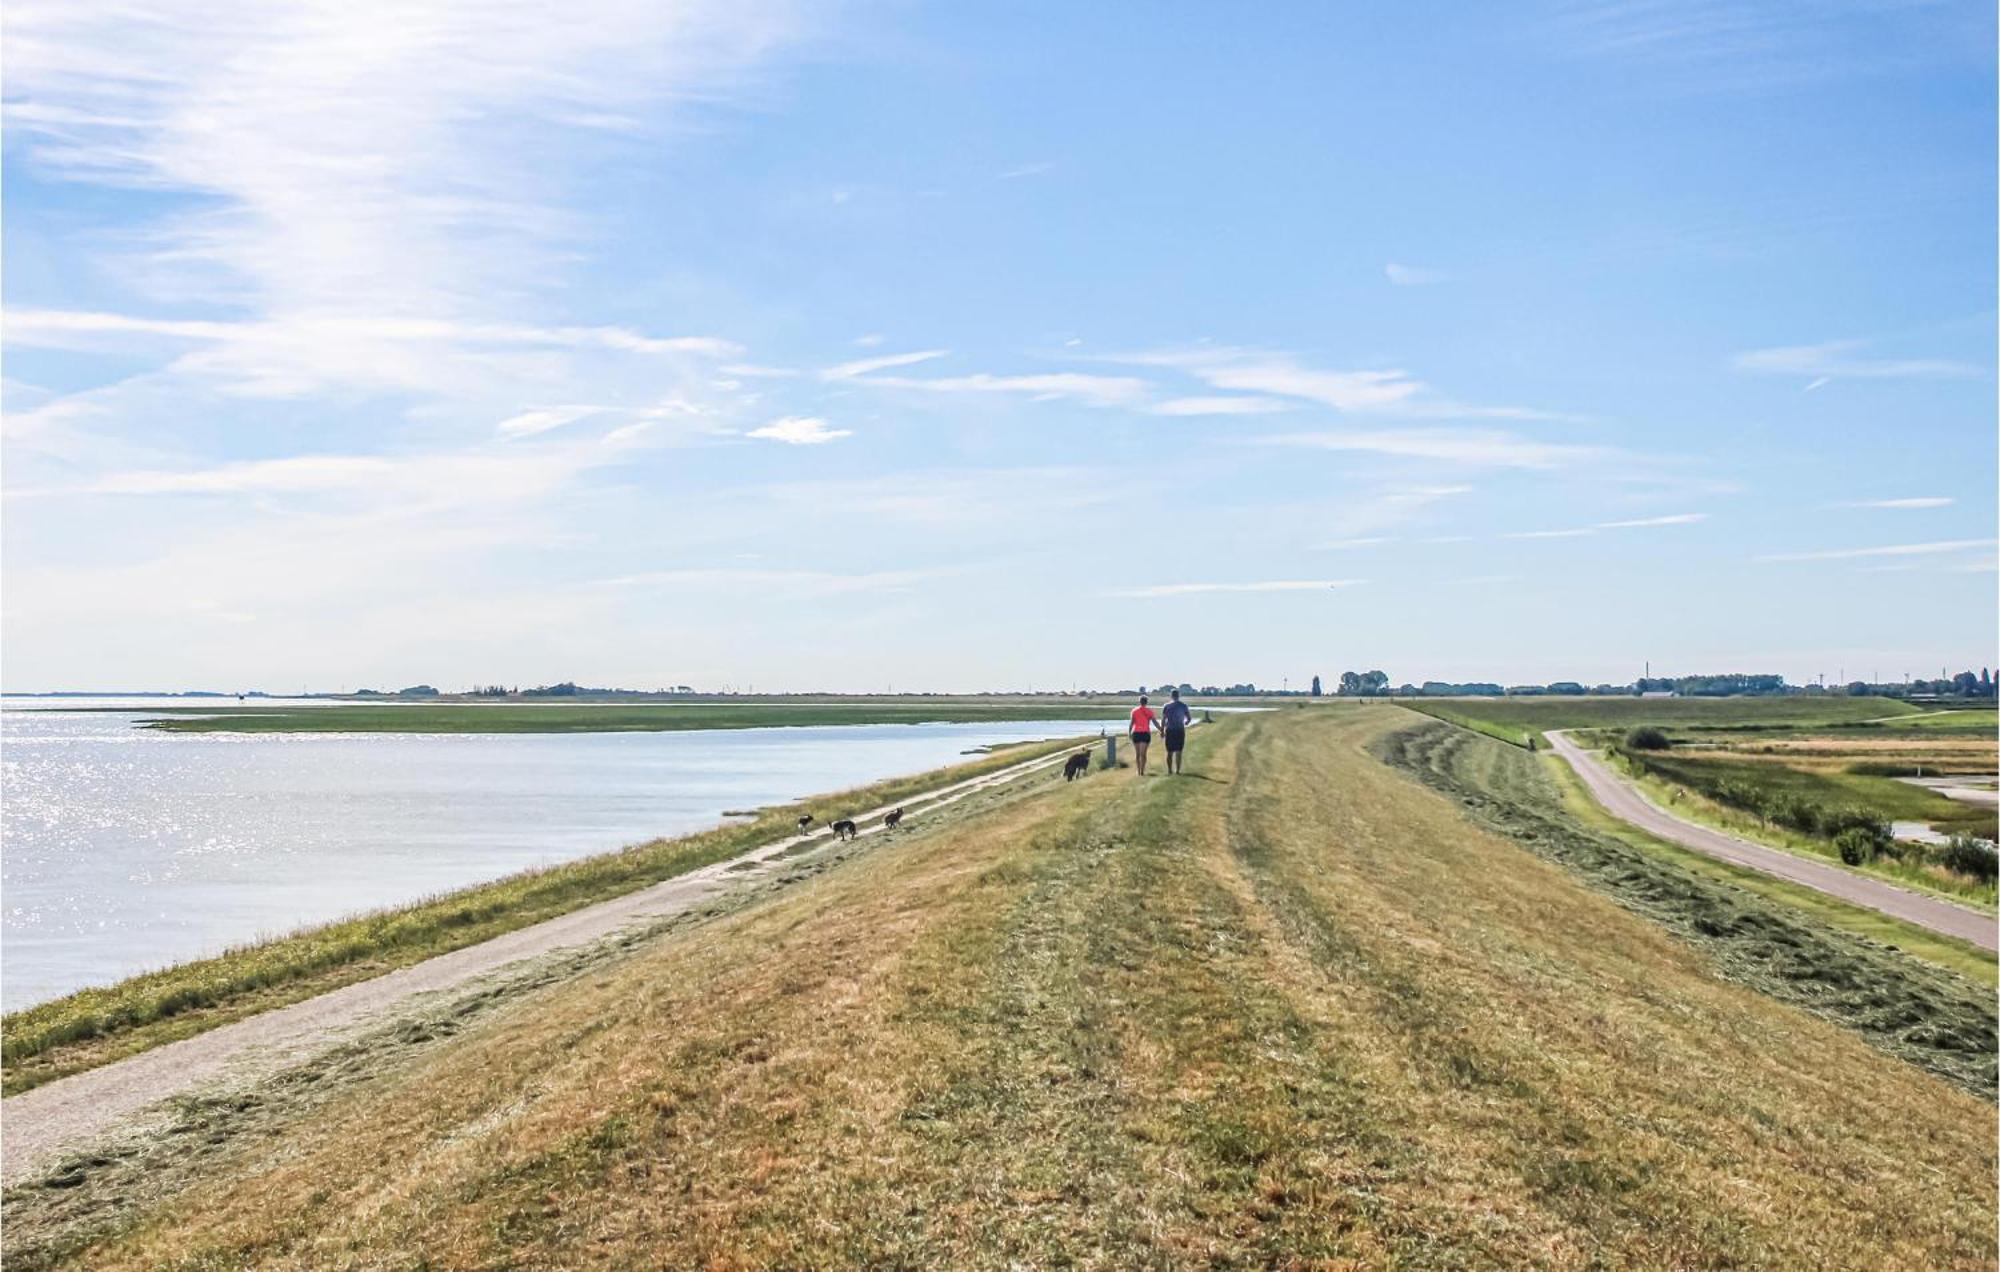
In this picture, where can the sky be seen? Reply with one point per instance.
(906, 346)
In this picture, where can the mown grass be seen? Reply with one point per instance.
(96, 1026)
(1515, 719)
(1291, 1010)
(1953, 955)
(1944, 1023)
(1829, 788)
(510, 717)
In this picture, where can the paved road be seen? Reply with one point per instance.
(63, 1116)
(1624, 800)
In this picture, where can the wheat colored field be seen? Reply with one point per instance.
(1308, 1005)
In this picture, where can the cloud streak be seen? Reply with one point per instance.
(1845, 360)
(1267, 585)
(1890, 550)
(800, 430)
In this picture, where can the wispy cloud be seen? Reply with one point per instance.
(1919, 501)
(1027, 170)
(1474, 448)
(1846, 360)
(1095, 390)
(862, 366)
(789, 584)
(1279, 374)
(1268, 585)
(1891, 550)
(543, 420)
(800, 430)
(1637, 523)
(1218, 406)
(1412, 275)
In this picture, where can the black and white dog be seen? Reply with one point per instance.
(805, 820)
(1076, 766)
(892, 818)
(844, 829)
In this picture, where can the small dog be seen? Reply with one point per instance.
(844, 829)
(1076, 766)
(805, 820)
(892, 818)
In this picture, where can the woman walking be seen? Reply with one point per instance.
(1143, 719)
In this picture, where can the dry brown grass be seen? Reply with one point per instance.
(1293, 1010)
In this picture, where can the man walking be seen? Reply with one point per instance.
(1175, 717)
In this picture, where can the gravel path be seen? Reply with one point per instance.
(1624, 800)
(45, 1124)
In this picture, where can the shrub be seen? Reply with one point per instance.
(1855, 845)
(1647, 738)
(1968, 856)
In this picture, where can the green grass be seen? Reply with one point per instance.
(96, 1026)
(1942, 1022)
(1885, 797)
(1871, 925)
(1514, 719)
(1294, 1010)
(514, 717)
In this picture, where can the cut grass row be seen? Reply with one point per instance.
(1936, 1020)
(97, 1026)
(1515, 719)
(596, 717)
(1292, 1010)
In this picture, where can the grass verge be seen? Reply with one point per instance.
(1937, 1020)
(97, 1026)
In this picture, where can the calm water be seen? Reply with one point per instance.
(126, 849)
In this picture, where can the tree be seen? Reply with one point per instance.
(1315, 686)
(1375, 682)
(1350, 682)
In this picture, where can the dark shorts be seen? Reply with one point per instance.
(1141, 737)
(1176, 738)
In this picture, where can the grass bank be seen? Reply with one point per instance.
(1938, 1021)
(96, 1026)
(467, 717)
(1292, 1009)
(1515, 719)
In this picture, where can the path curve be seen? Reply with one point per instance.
(1626, 802)
(43, 1124)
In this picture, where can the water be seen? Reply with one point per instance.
(128, 849)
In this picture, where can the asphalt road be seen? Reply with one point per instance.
(1624, 800)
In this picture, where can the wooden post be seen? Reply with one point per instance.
(1110, 752)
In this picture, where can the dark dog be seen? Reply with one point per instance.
(891, 819)
(1076, 766)
(805, 820)
(844, 829)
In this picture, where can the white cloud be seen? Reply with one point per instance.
(800, 430)
(1268, 585)
(543, 419)
(1479, 448)
(862, 366)
(1218, 406)
(1413, 276)
(1095, 390)
(1892, 550)
(787, 583)
(1843, 360)
(1026, 170)
(1920, 501)
(1262, 371)
(1672, 519)
(1576, 533)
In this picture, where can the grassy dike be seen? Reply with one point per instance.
(1292, 1009)
(96, 1026)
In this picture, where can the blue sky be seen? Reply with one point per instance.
(964, 347)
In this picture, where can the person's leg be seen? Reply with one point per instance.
(1139, 756)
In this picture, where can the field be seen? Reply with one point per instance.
(95, 1026)
(1515, 719)
(1355, 992)
(515, 717)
